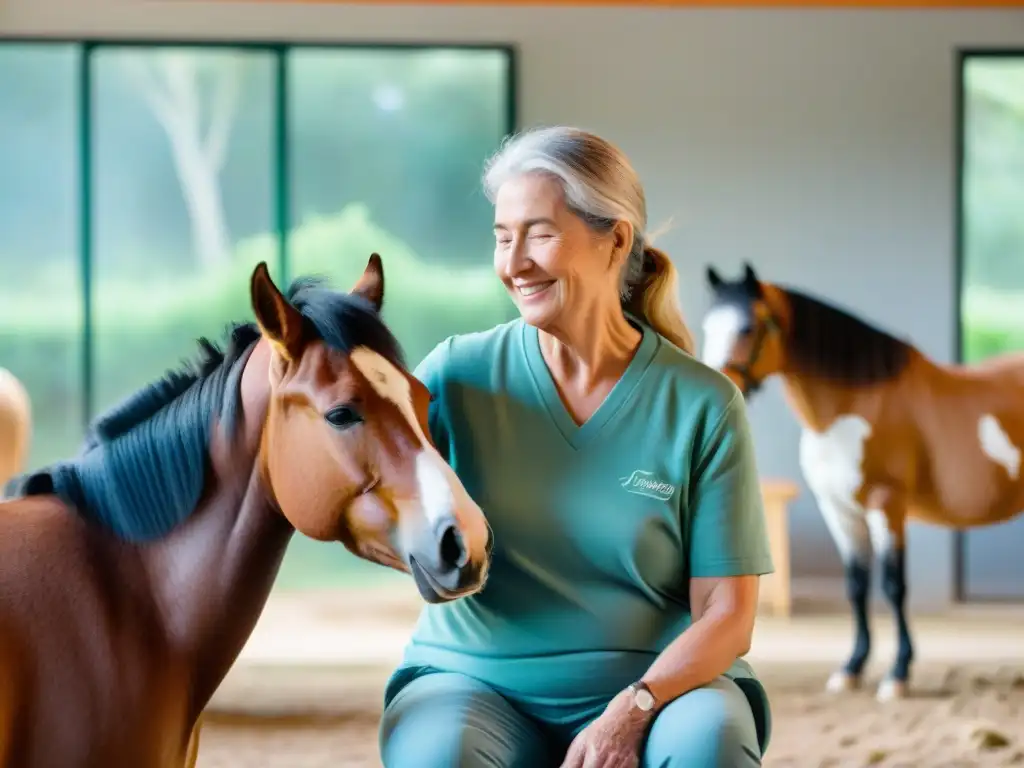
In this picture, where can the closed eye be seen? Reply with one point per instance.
(343, 417)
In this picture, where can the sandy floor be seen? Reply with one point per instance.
(966, 708)
(959, 717)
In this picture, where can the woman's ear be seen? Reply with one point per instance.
(622, 242)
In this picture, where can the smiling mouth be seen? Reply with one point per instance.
(526, 291)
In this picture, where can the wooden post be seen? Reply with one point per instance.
(776, 588)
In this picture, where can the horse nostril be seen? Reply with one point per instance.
(453, 552)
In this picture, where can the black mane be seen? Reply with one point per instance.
(144, 462)
(835, 345)
(343, 321)
(148, 401)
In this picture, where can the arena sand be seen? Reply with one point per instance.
(960, 715)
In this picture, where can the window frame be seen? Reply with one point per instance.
(962, 57)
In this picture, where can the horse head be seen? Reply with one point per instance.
(346, 451)
(741, 330)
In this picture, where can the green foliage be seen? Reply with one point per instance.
(994, 172)
(141, 329)
(992, 322)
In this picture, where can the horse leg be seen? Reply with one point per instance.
(888, 535)
(849, 529)
(192, 752)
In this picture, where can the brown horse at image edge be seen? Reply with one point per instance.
(15, 426)
(888, 435)
(132, 575)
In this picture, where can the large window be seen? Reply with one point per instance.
(141, 183)
(991, 219)
(41, 318)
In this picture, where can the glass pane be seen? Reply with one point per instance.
(993, 274)
(993, 198)
(40, 286)
(387, 148)
(183, 208)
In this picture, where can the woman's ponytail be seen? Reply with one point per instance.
(655, 299)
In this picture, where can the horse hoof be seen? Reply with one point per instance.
(841, 682)
(889, 690)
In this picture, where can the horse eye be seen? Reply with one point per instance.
(343, 417)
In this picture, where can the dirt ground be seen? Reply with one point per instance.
(958, 715)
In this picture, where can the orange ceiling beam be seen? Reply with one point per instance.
(894, 4)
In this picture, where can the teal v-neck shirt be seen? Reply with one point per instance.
(597, 528)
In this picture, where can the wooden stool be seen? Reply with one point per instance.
(776, 588)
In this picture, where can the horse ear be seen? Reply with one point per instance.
(278, 320)
(750, 279)
(714, 279)
(371, 285)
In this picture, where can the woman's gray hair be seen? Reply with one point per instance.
(601, 187)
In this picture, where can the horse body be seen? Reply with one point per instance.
(15, 426)
(85, 661)
(970, 424)
(111, 649)
(887, 435)
(941, 438)
(111, 645)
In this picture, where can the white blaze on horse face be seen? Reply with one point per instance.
(722, 326)
(996, 444)
(441, 492)
(831, 462)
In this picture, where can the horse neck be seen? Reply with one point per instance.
(214, 573)
(816, 403)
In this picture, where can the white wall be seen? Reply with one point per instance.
(819, 145)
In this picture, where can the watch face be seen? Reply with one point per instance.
(644, 700)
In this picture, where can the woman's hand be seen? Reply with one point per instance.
(613, 740)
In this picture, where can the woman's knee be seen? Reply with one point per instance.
(447, 720)
(710, 727)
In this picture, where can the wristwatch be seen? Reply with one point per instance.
(642, 696)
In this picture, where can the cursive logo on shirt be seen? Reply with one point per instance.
(646, 484)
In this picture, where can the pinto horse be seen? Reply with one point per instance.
(888, 435)
(15, 426)
(132, 575)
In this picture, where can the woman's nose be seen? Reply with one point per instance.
(518, 260)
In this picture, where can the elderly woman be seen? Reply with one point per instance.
(618, 475)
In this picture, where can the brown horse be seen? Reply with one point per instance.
(15, 426)
(888, 434)
(132, 575)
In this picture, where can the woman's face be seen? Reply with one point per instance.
(552, 264)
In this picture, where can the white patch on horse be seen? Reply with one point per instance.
(881, 535)
(437, 483)
(831, 462)
(722, 326)
(996, 444)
